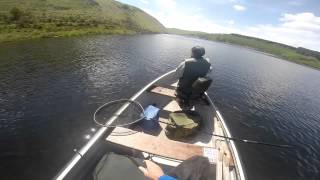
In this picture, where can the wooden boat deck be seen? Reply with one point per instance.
(156, 145)
(157, 142)
(221, 151)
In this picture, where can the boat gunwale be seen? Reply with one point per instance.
(79, 154)
(99, 134)
(232, 146)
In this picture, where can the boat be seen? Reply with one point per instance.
(222, 152)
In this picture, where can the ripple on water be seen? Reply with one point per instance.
(50, 88)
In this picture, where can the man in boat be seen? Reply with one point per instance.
(189, 72)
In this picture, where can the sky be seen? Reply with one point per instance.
(292, 22)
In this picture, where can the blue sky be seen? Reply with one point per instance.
(293, 22)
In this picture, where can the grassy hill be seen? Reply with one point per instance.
(25, 19)
(28, 19)
(297, 55)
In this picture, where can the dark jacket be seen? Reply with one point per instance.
(193, 69)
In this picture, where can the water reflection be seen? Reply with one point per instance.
(50, 88)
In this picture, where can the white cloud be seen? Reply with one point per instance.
(295, 3)
(230, 22)
(302, 29)
(172, 17)
(224, 1)
(198, 9)
(302, 21)
(170, 4)
(144, 1)
(193, 22)
(239, 7)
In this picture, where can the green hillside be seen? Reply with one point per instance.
(297, 55)
(29, 19)
(25, 19)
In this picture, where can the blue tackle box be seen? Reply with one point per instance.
(151, 118)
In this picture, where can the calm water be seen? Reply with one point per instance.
(50, 88)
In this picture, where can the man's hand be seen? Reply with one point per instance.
(152, 171)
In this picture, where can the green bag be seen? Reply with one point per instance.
(183, 124)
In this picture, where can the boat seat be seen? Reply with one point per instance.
(172, 106)
(161, 147)
(163, 91)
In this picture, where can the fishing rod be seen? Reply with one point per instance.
(252, 142)
(240, 140)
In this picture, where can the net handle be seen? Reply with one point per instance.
(118, 112)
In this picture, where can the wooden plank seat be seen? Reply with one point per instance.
(157, 146)
(163, 91)
(174, 84)
(172, 106)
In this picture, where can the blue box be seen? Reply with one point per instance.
(151, 118)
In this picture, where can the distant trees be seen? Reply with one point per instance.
(125, 6)
(15, 14)
(308, 52)
(3, 18)
(21, 18)
(18, 17)
(129, 23)
(25, 19)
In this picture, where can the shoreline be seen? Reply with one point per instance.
(268, 54)
(31, 34)
(315, 67)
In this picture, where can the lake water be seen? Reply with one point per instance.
(51, 87)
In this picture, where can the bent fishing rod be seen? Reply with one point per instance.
(240, 140)
(252, 142)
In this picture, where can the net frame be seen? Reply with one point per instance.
(118, 113)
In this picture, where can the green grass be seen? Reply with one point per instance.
(26, 34)
(306, 57)
(51, 18)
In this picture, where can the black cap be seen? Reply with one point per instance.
(198, 51)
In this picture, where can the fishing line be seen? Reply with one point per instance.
(125, 112)
(127, 133)
(239, 140)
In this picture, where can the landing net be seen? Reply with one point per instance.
(119, 113)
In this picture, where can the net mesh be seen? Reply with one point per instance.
(117, 113)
